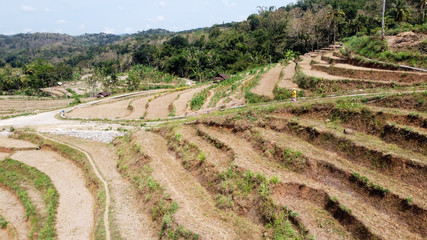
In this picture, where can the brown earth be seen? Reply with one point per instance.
(267, 82)
(10, 143)
(128, 216)
(182, 104)
(286, 81)
(408, 101)
(113, 111)
(23, 105)
(405, 40)
(139, 108)
(13, 211)
(3, 155)
(358, 206)
(197, 210)
(73, 194)
(160, 107)
(4, 234)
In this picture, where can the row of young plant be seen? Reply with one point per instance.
(13, 175)
(134, 164)
(234, 185)
(296, 161)
(79, 158)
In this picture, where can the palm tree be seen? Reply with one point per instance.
(423, 8)
(336, 15)
(399, 10)
(382, 21)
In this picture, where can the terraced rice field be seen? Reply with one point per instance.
(339, 167)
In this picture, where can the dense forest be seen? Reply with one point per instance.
(265, 37)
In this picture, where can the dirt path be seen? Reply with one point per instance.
(268, 81)
(159, 107)
(73, 194)
(287, 80)
(129, 217)
(13, 211)
(197, 210)
(182, 104)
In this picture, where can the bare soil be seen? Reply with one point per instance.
(219, 158)
(360, 209)
(139, 108)
(73, 194)
(286, 81)
(306, 69)
(10, 143)
(3, 155)
(405, 40)
(159, 107)
(13, 211)
(182, 104)
(267, 82)
(4, 234)
(115, 110)
(197, 210)
(128, 215)
(16, 105)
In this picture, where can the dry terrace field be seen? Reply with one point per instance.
(324, 168)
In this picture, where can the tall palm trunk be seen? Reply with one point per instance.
(382, 21)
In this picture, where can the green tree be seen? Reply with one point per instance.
(337, 16)
(399, 10)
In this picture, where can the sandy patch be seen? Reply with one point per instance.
(13, 211)
(75, 217)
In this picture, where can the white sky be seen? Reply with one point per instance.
(126, 16)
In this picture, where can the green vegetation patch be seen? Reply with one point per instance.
(373, 47)
(199, 99)
(79, 158)
(12, 175)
